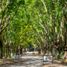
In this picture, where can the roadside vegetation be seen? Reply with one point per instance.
(37, 24)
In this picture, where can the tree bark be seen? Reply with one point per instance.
(1, 47)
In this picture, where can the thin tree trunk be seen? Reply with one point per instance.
(1, 48)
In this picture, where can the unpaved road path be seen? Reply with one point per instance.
(31, 61)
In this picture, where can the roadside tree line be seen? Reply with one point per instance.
(42, 24)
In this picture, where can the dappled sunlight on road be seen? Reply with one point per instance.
(30, 60)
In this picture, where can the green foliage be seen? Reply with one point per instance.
(39, 22)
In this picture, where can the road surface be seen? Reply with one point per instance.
(31, 61)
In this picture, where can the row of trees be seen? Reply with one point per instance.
(41, 23)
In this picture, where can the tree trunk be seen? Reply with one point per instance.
(1, 47)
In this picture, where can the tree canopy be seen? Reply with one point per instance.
(41, 23)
